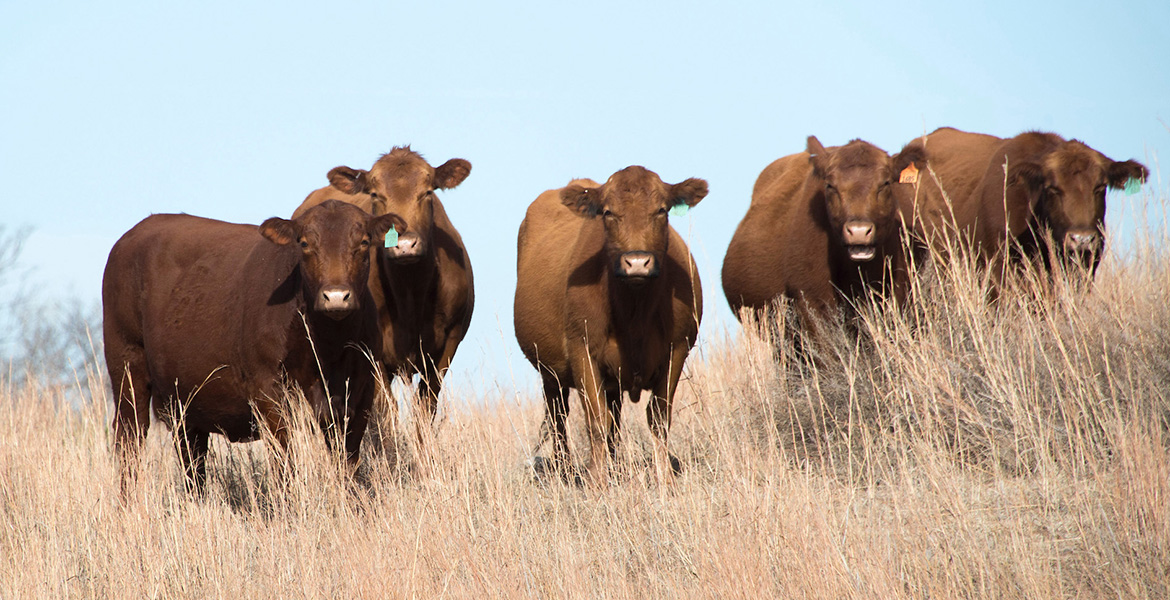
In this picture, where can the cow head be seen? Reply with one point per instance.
(1066, 190)
(633, 205)
(403, 182)
(334, 240)
(857, 186)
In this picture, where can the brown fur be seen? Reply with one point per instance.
(424, 301)
(791, 242)
(1054, 187)
(203, 319)
(584, 325)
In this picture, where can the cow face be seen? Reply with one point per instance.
(856, 183)
(1066, 191)
(402, 182)
(334, 240)
(633, 205)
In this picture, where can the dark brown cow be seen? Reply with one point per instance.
(823, 229)
(203, 319)
(422, 287)
(608, 301)
(1054, 187)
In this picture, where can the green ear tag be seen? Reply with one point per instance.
(1133, 185)
(679, 210)
(392, 238)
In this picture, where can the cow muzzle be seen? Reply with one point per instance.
(410, 248)
(637, 266)
(1082, 242)
(859, 240)
(336, 302)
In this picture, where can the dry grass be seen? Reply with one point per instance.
(958, 450)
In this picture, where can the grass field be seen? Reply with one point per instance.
(960, 450)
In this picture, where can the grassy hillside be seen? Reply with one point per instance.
(960, 449)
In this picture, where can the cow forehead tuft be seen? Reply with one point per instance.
(633, 181)
(857, 154)
(1073, 158)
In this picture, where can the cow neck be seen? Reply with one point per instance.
(633, 309)
(406, 288)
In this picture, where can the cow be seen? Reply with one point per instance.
(1004, 200)
(824, 229)
(608, 301)
(212, 323)
(422, 287)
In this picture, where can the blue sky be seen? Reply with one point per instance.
(236, 110)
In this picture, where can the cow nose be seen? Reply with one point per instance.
(409, 246)
(858, 233)
(335, 298)
(638, 264)
(1082, 241)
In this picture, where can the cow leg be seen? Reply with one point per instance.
(270, 411)
(132, 387)
(431, 383)
(361, 399)
(556, 400)
(613, 434)
(192, 446)
(390, 405)
(597, 419)
(658, 415)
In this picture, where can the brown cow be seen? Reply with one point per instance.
(823, 229)
(422, 287)
(1055, 189)
(204, 319)
(608, 301)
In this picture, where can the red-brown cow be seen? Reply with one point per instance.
(823, 229)
(423, 286)
(608, 301)
(1017, 193)
(210, 322)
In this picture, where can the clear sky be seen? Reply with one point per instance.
(236, 110)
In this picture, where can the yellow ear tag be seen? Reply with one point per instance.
(1133, 185)
(392, 238)
(679, 210)
(909, 174)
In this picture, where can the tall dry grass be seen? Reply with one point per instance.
(954, 449)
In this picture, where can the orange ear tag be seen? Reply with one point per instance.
(909, 174)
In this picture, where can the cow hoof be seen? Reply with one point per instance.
(545, 470)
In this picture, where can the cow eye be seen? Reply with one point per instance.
(304, 244)
(662, 211)
(365, 244)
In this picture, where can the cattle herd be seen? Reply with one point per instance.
(214, 324)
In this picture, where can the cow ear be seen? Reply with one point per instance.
(912, 154)
(1028, 174)
(279, 231)
(689, 192)
(582, 200)
(1120, 173)
(350, 181)
(816, 153)
(379, 226)
(451, 173)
